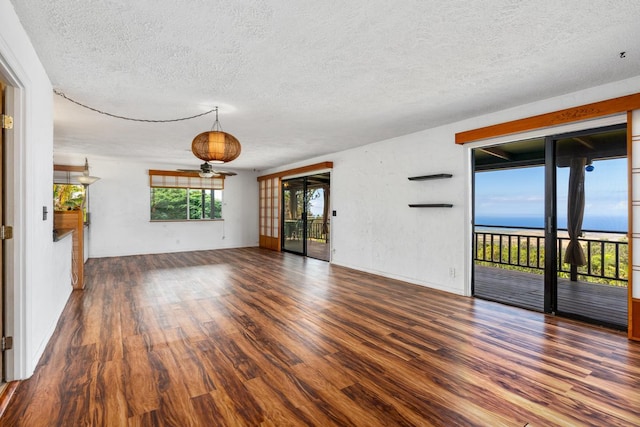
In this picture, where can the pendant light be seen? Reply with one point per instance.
(216, 146)
(85, 179)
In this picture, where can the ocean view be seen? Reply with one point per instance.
(591, 223)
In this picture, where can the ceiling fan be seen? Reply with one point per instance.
(206, 171)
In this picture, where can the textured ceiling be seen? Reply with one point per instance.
(295, 79)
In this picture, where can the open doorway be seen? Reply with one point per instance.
(305, 216)
(551, 225)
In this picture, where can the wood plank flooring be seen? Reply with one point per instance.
(251, 337)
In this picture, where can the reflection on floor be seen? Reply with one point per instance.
(315, 249)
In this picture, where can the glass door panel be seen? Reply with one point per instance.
(293, 202)
(317, 192)
(592, 218)
(509, 233)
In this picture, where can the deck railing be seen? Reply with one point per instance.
(607, 260)
(315, 230)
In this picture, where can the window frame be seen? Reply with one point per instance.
(188, 181)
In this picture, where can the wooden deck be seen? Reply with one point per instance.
(602, 303)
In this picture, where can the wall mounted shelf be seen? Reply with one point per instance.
(427, 177)
(434, 176)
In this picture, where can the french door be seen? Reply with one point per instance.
(554, 238)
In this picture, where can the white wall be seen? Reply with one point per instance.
(119, 206)
(376, 231)
(36, 291)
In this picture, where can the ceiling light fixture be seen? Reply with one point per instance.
(85, 179)
(216, 146)
(206, 170)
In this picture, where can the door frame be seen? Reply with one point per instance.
(550, 227)
(16, 306)
(3, 292)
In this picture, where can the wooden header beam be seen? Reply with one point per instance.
(568, 115)
(296, 171)
(68, 168)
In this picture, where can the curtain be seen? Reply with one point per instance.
(575, 212)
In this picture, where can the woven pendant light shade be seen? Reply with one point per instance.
(215, 146)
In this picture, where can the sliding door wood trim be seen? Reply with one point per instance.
(300, 170)
(568, 115)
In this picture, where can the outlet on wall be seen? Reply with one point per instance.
(452, 272)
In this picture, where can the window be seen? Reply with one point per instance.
(69, 197)
(184, 196)
(173, 204)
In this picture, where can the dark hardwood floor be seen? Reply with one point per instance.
(250, 337)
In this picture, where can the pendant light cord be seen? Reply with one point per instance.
(61, 94)
(216, 125)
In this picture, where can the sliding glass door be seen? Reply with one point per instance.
(305, 204)
(551, 222)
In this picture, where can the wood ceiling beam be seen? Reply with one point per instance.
(585, 141)
(497, 152)
(68, 168)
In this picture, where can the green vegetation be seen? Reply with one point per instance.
(172, 204)
(529, 257)
(294, 212)
(67, 197)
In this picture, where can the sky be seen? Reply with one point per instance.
(316, 205)
(520, 193)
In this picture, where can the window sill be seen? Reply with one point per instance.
(187, 220)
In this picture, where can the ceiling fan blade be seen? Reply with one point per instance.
(206, 168)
